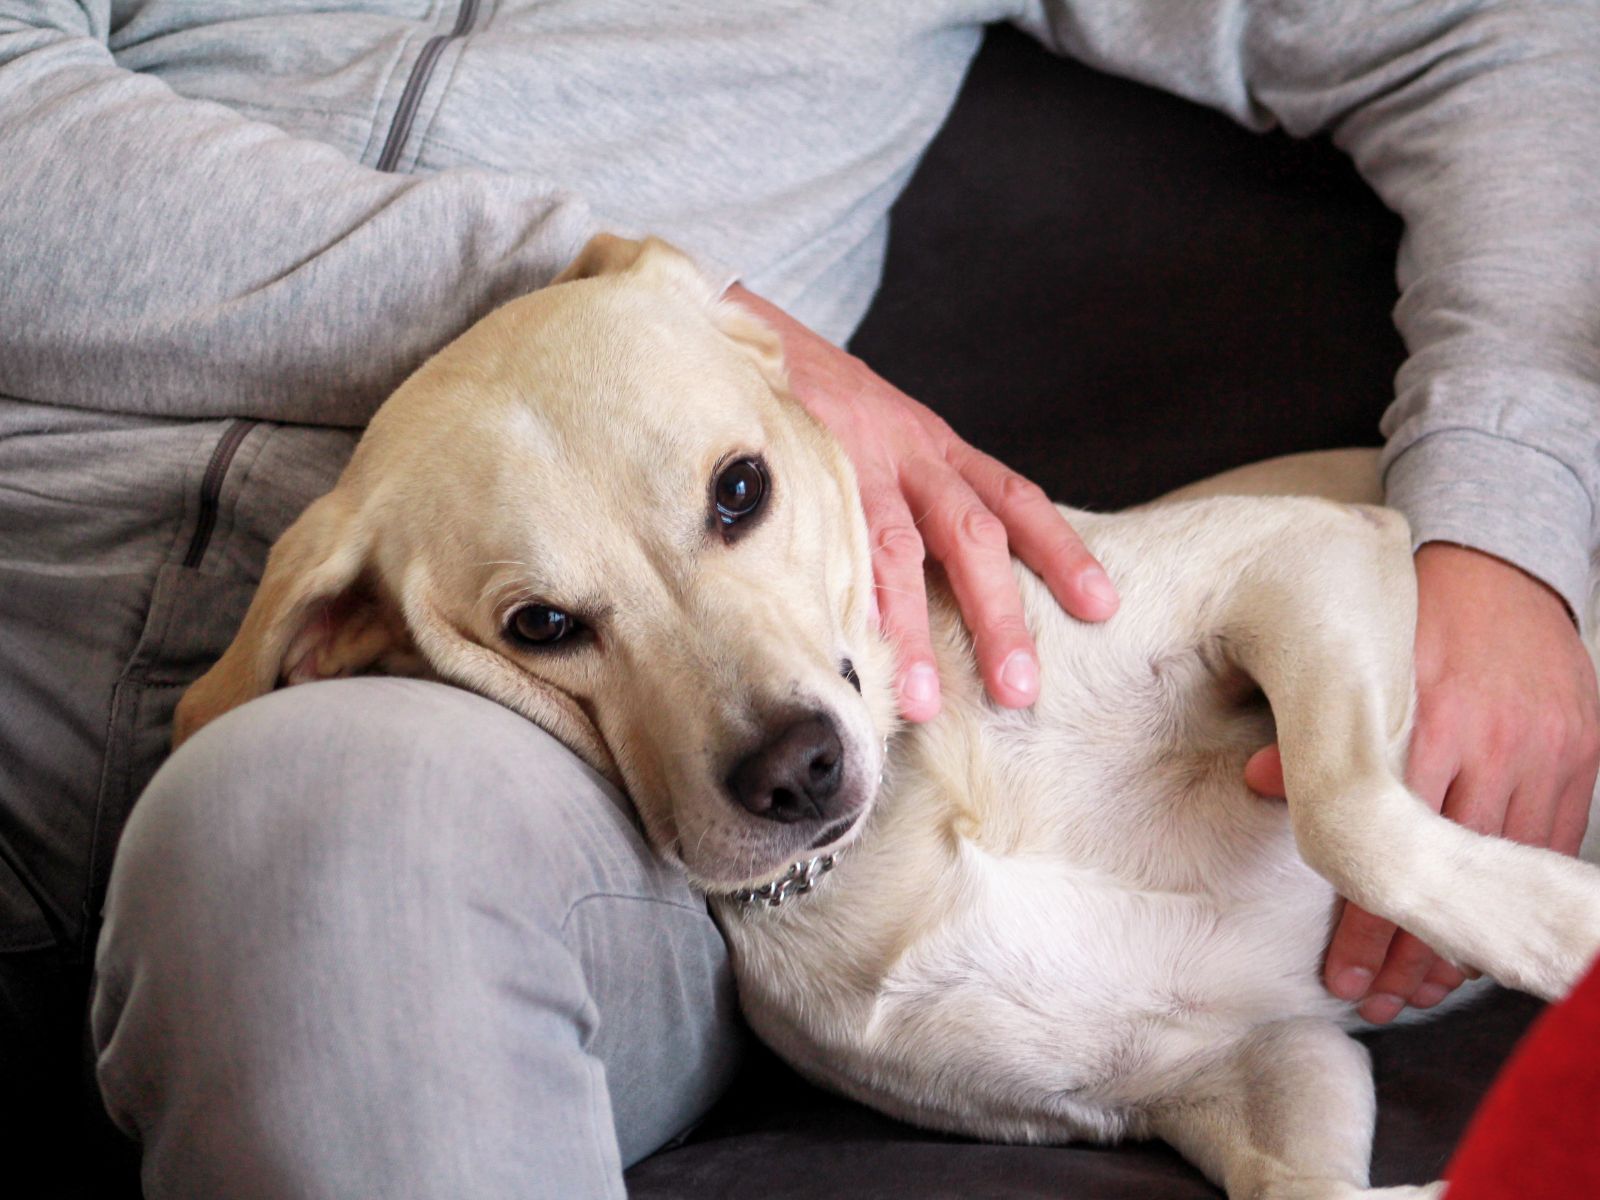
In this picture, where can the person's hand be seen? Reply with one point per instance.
(1506, 742)
(925, 491)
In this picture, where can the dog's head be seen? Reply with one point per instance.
(600, 507)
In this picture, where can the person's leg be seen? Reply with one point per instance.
(98, 633)
(384, 938)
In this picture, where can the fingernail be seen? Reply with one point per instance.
(1428, 995)
(1351, 983)
(921, 685)
(1382, 1008)
(1097, 584)
(1021, 673)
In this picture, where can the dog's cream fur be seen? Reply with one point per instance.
(1065, 922)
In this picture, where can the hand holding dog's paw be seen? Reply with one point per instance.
(925, 491)
(1506, 742)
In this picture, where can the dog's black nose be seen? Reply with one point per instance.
(794, 776)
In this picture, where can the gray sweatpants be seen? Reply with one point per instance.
(373, 937)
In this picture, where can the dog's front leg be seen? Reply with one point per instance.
(1324, 620)
(1287, 1114)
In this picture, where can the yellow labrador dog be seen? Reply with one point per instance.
(600, 508)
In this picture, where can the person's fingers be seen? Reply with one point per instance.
(1433, 760)
(1442, 979)
(1530, 815)
(970, 543)
(1263, 774)
(1039, 535)
(1479, 797)
(897, 555)
(1407, 963)
(1356, 954)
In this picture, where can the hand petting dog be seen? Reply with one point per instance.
(925, 491)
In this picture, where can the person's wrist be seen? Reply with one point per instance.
(1467, 568)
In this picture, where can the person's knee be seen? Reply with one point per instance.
(358, 889)
(328, 795)
(362, 839)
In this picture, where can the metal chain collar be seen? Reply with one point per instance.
(799, 879)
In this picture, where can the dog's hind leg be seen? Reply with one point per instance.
(1286, 1115)
(1323, 621)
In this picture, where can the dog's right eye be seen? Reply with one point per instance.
(537, 626)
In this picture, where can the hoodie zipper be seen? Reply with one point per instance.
(406, 112)
(399, 129)
(211, 489)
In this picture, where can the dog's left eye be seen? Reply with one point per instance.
(539, 626)
(739, 490)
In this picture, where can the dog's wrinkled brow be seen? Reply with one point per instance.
(517, 582)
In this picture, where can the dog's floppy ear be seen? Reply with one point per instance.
(604, 254)
(318, 614)
(650, 260)
(756, 338)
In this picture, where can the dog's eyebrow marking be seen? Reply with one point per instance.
(508, 562)
(591, 610)
(522, 583)
(527, 568)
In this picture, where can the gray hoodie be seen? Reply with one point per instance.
(264, 208)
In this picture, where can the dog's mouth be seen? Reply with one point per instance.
(833, 832)
(732, 846)
(798, 876)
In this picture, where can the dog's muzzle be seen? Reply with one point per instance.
(801, 877)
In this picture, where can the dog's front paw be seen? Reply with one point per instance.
(1528, 918)
(1559, 919)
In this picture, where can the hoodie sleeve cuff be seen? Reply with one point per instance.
(1502, 497)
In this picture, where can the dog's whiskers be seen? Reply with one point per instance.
(703, 835)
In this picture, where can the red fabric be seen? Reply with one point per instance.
(1537, 1134)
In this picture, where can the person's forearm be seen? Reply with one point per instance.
(1480, 124)
(168, 256)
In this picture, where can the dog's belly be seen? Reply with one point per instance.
(1022, 997)
(1054, 918)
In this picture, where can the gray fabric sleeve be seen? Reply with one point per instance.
(1479, 123)
(197, 263)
